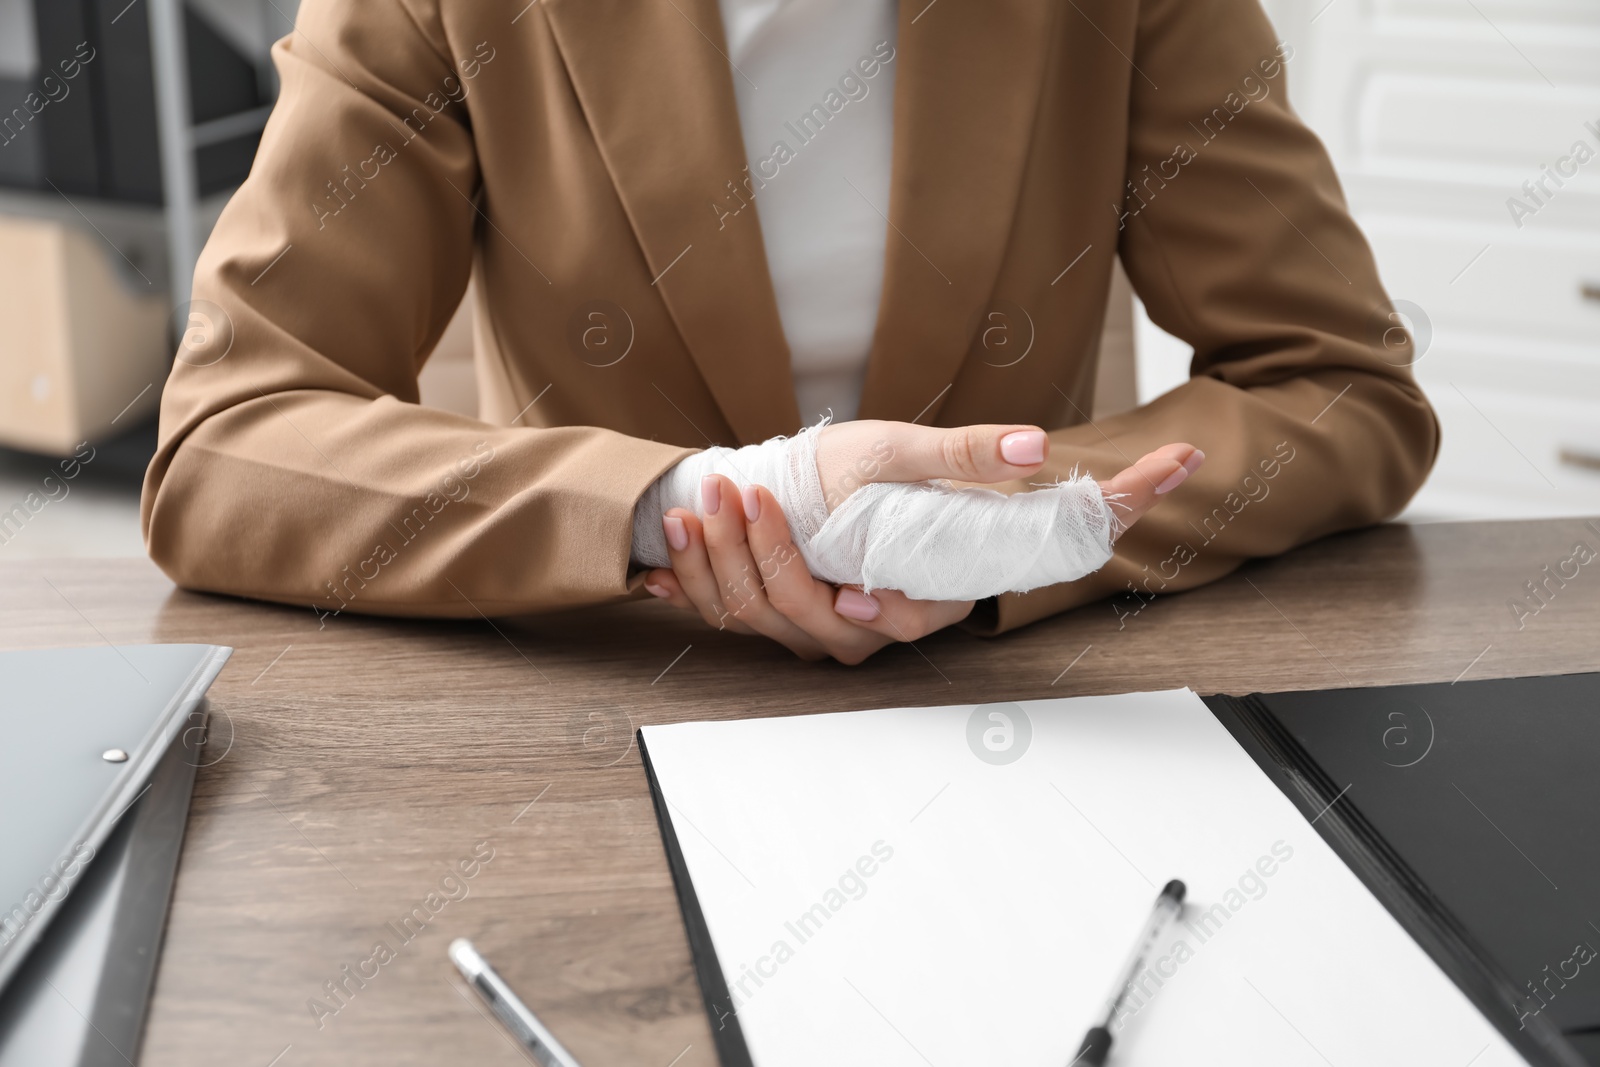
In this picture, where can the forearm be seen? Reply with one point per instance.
(376, 506)
(1282, 468)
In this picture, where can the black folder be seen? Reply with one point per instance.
(1471, 810)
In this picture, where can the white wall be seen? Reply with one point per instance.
(16, 39)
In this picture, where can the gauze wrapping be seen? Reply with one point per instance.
(929, 540)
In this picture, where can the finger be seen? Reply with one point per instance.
(686, 547)
(663, 584)
(894, 615)
(905, 452)
(1136, 490)
(739, 579)
(794, 593)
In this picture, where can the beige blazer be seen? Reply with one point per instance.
(584, 158)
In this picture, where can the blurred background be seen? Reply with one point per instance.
(1466, 132)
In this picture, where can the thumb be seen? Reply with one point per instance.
(966, 454)
(1138, 488)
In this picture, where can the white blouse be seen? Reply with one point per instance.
(814, 81)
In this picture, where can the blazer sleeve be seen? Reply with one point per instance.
(1236, 236)
(294, 463)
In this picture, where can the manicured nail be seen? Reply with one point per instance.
(657, 590)
(855, 605)
(677, 533)
(1196, 458)
(1023, 448)
(710, 495)
(1174, 480)
(752, 503)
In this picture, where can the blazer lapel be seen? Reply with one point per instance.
(966, 93)
(655, 84)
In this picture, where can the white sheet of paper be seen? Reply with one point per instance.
(963, 911)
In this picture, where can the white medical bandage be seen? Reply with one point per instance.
(929, 540)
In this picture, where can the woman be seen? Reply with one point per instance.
(698, 224)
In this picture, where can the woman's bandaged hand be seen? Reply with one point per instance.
(868, 503)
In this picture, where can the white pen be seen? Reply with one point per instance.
(507, 1007)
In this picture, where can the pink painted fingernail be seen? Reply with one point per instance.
(1196, 458)
(853, 604)
(677, 533)
(1023, 448)
(1175, 479)
(656, 590)
(752, 503)
(710, 494)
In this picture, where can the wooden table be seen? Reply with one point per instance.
(357, 762)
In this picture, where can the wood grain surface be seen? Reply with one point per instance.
(354, 763)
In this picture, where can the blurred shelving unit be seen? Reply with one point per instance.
(124, 127)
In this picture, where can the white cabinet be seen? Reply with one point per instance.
(1467, 135)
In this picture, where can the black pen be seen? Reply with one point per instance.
(1097, 1042)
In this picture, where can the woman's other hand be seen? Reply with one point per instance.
(740, 570)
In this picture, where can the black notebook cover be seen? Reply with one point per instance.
(1472, 811)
